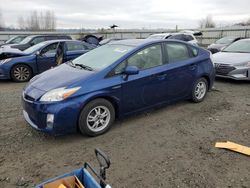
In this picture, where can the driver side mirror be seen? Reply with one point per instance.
(131, 70)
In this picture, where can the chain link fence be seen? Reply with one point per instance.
(208, 37)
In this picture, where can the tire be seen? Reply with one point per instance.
(21, 73)
(199, 90)
(93, 121)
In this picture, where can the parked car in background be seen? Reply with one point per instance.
(187, 37)
(234, 61)
(108, 40)
(14, 40)
(115, 80)
(222, 43)
(159, 36)
(92, 39)
(35, 39)
(40, 58)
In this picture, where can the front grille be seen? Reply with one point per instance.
(223, 69)
(29, 98)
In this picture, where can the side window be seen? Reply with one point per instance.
(50, 49)
(147, 58)
(51, 38)
(177, 52)
(177, 37)
(118, 69)
(37, 40)
(188, 38)
(72, 46)
(194, 51)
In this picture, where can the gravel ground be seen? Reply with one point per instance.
(172, 146)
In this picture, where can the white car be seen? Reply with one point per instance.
(185, 36)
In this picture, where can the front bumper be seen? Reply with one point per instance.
(4, 74)
(232, 72)
(65, 116)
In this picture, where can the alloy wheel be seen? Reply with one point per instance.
(200, 90)
(21, 73)
(98, 118)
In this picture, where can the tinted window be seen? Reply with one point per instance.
(37, 40)
(50, 49)
(177, 37)
(51, 38)
(147, 58)
(176, 52)
(119, 69)
(188, 38)
(64, 37)
(73, 46)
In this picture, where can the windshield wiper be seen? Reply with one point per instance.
(84, 67)
(70, 63)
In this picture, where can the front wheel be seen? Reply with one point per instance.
(200, 89)
(21, 73)
(96, 118)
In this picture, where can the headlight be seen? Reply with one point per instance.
(58, 94)
(5, 61)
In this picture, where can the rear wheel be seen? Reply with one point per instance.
(21, 73)
(200, 89)
(96, 118)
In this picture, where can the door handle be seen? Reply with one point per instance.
(162, 76)
(192, 66)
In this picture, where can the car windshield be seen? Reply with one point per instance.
(239, 46)
(34, 48)
(103, 56)
(225, 40)
(12, 40)
(26, 40)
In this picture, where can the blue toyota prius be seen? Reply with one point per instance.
(20, 66)
(113, 81)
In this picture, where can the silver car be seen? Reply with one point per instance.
(234, 61)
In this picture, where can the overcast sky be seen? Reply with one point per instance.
(129, 13)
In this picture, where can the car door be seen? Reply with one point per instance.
(180, 70)
(144, 89)
(47, 57)
(74, 49)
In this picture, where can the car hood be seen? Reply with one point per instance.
(61, 76)
(7, 49)
(10, 53)
(216, 46)
(231, 58)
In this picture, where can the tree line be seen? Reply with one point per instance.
(38, 21)
(35, 21)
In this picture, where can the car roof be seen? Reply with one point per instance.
(247, 39)
(60, 40)
(134, 42)
(160, 34)
(53, 35)
(142, 42)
